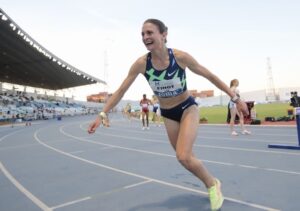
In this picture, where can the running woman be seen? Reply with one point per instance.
(235, 112)
(156, 111)
(144, 103)
(165, 70)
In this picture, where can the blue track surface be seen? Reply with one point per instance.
(56, 165)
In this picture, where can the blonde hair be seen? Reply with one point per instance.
(234, 82)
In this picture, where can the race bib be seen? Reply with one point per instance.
(167, 88)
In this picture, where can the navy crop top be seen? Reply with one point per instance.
(169, 82)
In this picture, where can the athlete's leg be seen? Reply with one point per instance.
(172, 128)
(147, 118)
(154, 117)
(158, 117)
(182, 137)
(233, 113)
(244, 130)
(241, 117)
(143, 118)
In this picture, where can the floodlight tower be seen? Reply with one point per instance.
(105, 68)
(270, 91)
(108, 44)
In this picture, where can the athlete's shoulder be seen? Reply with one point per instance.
(142, 59)
(181, 57)
(140, 64)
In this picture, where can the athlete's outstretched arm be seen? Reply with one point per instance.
(195, 67)
(135, 69)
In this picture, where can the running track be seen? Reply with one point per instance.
(56, 165)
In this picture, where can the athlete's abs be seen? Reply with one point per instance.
(171, 102)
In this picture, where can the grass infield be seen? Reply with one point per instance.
(218, 114)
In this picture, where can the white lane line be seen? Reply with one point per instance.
(115, 146)
(70, 203)
(137, 184)
(167, 155)
(205, 146)
(226, 136)
(201, 145)
(251, 167)
(247, 150)
(21, 188)
(144, 177)
(250, 140)
(4, 137)
(210, 130)
(283, 171)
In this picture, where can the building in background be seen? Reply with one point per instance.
(201, 94)
(101, 97)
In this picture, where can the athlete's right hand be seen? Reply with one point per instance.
(93, 126)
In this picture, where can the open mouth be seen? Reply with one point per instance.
(150, 42)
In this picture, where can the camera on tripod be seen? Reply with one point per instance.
(295, 99)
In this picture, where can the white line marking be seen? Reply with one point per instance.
(3, 137)
(70, 203)
(167, 155)
(115, 146)
(226, 136)
(144, 177)
(247, 150)
(220, 163)
(251, 167)
(245, 139)
(202, 145)
(34, 199)
(137, 184)
(283, 171)
(108, 147)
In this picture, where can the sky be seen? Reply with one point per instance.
(232, 38)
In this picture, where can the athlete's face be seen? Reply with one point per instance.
(152, 38)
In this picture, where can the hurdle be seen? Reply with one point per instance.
(279, 146)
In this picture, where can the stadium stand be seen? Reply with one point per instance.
(25, 62)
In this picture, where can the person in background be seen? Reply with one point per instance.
(234, 110)
(128, 111)
(144, 103)
(156, 111)
(165, 70)
(27, 119)
(13, 119)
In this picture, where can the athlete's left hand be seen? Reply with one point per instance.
(93, 126)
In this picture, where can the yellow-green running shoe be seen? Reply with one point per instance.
(215, 196)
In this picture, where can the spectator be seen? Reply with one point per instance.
(235, 112)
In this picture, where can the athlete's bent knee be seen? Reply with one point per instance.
(185, 159)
